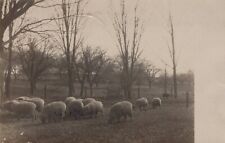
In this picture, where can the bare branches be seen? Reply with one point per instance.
(36, 60)
(10, 11)
(128, 42)
(172, 51)
(68, 21)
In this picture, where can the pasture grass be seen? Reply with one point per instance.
(170, 123)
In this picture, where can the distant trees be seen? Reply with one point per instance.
(35, 61)
(69, 23)
(10, 10)
(89, 66)
(128, 42)
(151, 71)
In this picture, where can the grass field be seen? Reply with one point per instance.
(171, 123)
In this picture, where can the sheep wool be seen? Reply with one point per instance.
(75, 108)
(54, 111)
(69, 99)
(156, 102)
(87, 100)
(93, 108)
(142, 103)
(120, 109)
(24, 109)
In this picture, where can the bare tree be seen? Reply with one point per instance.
(11, 10)
(140, 75)
(172, 52)
(151, 71)
(129, 45)
(94, 60)
(35, 61)
(69, 23)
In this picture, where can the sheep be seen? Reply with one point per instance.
(142, 103)
(69, 99)
(156, 102)
(87, 100)
(38, 101)
(7, 105)
(24, 109)
(80, 99)
(53, 111)
(120, 109)
(75, 108)
(93, 108)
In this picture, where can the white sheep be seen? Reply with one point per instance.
(80, 99)
(142, 103)
(69, 99)
(93, 108)
(156, 102)
(87, 100)
(7, 105)
(53, 111)
(24, 109)
(75, 109)
(120, 109)
(38, 101)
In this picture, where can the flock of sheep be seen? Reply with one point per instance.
(36, 108)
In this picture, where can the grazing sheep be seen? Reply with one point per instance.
(156, 102)
(23, 109)
(142, 103)
(69, 99)
(120, 109)
(54, 111)
(93, 108)
(38, 101)
(7, 105)
(87, 100)
(75, 108)
(80, 99)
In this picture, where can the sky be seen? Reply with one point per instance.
(193, 21)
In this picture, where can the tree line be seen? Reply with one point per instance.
(79, 60)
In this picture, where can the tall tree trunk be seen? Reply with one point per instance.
(9, 68)
(2, 65)
(91, 89)
(165, 82)
(129, 89)
(2, 68)
(70, 82)
(173, 59)
(81, 89)
(129, 93)
(139, 91)
(175, 81)
(32, 86)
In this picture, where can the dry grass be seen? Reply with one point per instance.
(171, 123)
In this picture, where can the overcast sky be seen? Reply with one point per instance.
(198, 27)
